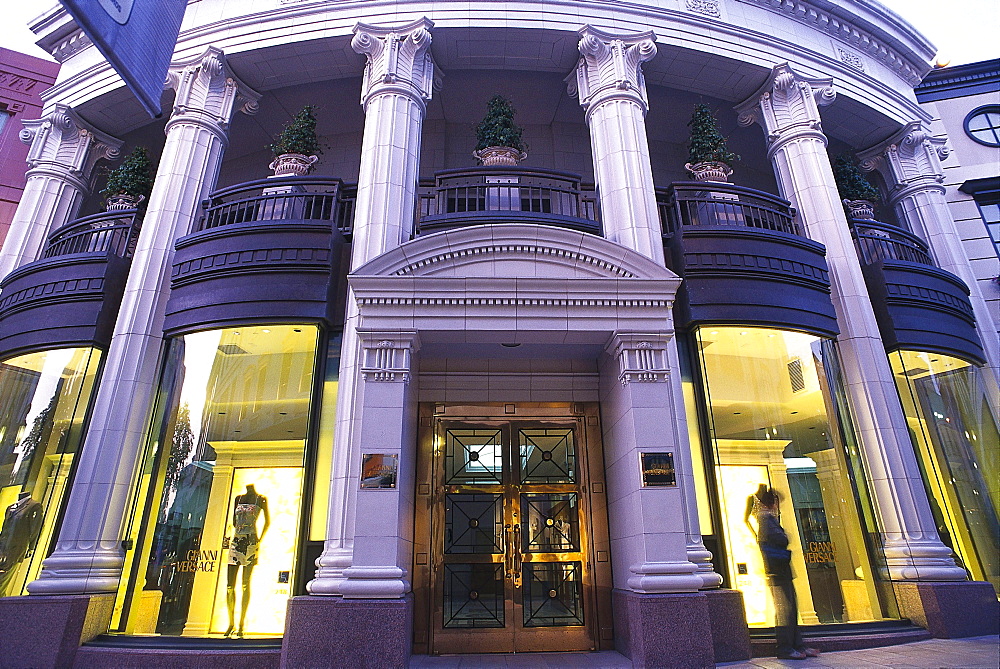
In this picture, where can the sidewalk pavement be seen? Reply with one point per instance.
(973, 653)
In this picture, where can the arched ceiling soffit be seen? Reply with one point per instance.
(723, 66)
(514, 251)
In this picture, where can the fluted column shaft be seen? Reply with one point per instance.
(910, 162)
(64, 149)
(88, 557)
(612, 92)
(787, 107)
(397, 84)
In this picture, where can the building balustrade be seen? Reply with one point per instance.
(110, 232)
(876, 241)
(484, 195)
(279, 199)
(698, 203)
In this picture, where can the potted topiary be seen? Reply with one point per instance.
(708, 155)
(859, 195)
(295, 149)
(129, 183)
(498, 137)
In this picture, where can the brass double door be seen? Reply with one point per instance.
(509, 559)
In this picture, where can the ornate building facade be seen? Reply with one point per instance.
(484, 408)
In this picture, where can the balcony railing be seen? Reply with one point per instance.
(877, 241)
(698, 203)
(491, 194)
(279, 199)
(110, 232)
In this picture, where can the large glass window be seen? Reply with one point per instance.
(224, 494)
(958, 447)
(44, 398)
(774, 409)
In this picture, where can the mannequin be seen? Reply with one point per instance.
(243, 550)
(755, 508)
(21, 526)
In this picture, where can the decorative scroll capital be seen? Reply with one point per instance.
(787, 106)
(398, 60)
(63, 144)
(207, 92)
(388, 356)
(909, 160)
(610, 67)
(642, 358)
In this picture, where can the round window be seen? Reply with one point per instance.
(983, 125)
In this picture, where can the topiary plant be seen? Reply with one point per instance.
(132, 177)
(498, 127)
(851, 183)
(707, 143)
(298, 135)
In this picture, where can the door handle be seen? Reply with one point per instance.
(507, 557)
(517, 555)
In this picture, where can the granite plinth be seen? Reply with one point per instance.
(46, 631)
(668, 630)
(357, 633)
(730, 633)
(162, 658)
(950, 610)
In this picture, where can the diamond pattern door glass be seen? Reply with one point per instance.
(551, 523)
(553, 594)
(473, 524)
(473, 457)
(473, 595)
(548, 455)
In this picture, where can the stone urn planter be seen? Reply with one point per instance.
(123, 201)
(710, 170)
(504, 156)
(861, 210)
(292, 164)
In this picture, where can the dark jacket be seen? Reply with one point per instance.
(774, 548)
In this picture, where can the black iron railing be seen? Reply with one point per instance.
(278, 199)
(712, 204)
(110, 232)
(876, 241)
(489, 193)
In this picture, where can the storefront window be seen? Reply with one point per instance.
(774, 427)
(958, 447)
(225, 491)
(44, 398)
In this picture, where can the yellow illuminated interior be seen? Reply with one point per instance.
(772, 424)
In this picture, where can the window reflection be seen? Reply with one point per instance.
(958, 448)
(44, 397)
(222, 535)
(773, 426)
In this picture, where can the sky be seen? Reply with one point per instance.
(965, 31)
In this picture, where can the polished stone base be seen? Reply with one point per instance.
(730, 634)
(46, 631)
(163, 658)
(356, 633)
(664, 630)
(950, 609)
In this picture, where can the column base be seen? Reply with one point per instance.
(670, 630)
(952, 609)
(338, 632)
(40, 631)
(728, 618)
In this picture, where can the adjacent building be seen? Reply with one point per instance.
(397, 400)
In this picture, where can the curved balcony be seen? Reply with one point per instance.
(262, 251)
(917, 305)
(70, 297)
(485, 195)
(744, 259)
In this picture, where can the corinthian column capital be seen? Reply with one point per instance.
(910, 159)
(398, 60)
(207, 92)
(610, 67)
(64, 145)
(787, 106)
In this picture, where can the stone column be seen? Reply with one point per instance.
(910, 163)
(613, 95)
(64, 149)
(88, 556)
(397, 84)
(787, 107)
